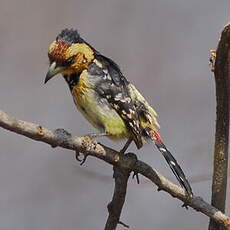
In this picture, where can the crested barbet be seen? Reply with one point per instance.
(106, 98)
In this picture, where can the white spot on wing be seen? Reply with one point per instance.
(108, 77)
(97, 63)
(129, 115)
(105, 71)
(118, 97)
(116, 106)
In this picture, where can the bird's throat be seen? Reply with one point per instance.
(72, 80)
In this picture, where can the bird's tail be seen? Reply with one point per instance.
(172, 162)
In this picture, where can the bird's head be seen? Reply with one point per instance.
(68, 54)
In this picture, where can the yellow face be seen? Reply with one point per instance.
(68, 59)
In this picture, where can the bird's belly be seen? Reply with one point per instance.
(99, 113)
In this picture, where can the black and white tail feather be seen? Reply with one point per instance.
(172, 162)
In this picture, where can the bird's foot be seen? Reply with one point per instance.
(136, 175)
(79, 158)
(189, 196)
(185, 205)
(123, 150)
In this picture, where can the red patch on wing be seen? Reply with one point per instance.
(57, 51)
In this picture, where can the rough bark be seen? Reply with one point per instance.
(220, 171)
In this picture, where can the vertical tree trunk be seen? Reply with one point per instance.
(222, 75)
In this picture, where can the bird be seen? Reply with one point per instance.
(106, 98)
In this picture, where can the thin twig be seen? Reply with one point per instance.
(222, 79)
(89, 146)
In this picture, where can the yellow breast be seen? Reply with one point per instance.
(97, 110)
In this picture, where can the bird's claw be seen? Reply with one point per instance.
(189, 196)
(185, 205)
(78, 157)
(135, 175)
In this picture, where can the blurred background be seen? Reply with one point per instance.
(162, 46)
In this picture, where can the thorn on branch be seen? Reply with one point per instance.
(123, 224)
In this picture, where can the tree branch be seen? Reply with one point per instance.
(121, 176)
(89, 146)
(222, 78)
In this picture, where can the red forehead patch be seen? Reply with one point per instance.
(57, 51)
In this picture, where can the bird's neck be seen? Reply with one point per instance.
(72, 80)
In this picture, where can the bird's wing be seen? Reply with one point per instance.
(148, 115)
(113, 87)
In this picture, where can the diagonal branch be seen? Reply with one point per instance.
(89, 146)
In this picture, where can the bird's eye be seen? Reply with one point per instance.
(70, 60)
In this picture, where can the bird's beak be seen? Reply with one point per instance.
(53, 70)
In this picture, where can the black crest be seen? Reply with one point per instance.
(69, 36)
